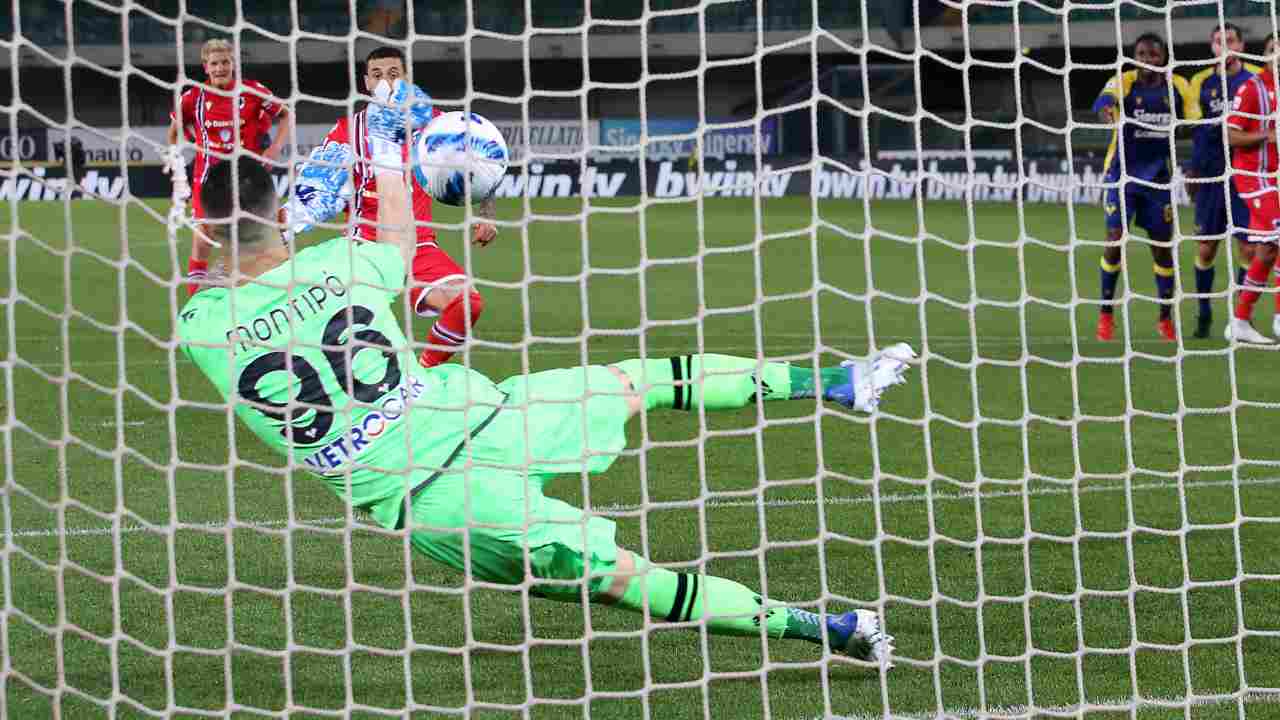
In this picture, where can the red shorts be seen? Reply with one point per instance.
(432, 266)
(1264, 209)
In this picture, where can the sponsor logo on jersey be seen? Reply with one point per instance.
(333, 458)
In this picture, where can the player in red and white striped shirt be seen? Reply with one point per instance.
(1251, 133)
(338, 176)
(207, 120)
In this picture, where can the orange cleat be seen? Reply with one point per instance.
(1165, 328)
(1106, 327)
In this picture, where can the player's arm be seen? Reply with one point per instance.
(486, 232)
(387, 135)
(1109, 99)
(1246, 139)
(1245, 128)
(281, 120)
(174, 164)
(1186, 105)
(1199, 151)
(322, 184)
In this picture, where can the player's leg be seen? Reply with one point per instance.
(725, 382)
(442, 288)
(1154, 212)
(1244, 258)
(1114, 213)
(1264, 219)
(1206, 254)
(728, 607)
(490, 523)
(1211, 223)
(1240, 223)
(201, 249)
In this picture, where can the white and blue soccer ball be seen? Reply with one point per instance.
(456, 146)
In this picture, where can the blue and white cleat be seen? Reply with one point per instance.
(858, 634)
(871, 376)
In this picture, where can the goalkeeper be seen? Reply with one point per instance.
(316, 364)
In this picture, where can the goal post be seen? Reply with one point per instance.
(1049, 523)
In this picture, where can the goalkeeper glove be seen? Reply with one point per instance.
(386, 120)
(871, 376)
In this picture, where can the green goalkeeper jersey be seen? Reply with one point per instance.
(316, 364)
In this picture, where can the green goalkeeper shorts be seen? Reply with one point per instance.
(485, 513)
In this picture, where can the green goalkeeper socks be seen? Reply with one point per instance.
(723, 382)
(730, 608)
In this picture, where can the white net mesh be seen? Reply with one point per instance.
(1052, 526)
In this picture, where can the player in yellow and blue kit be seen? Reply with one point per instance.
(1143, 105)
(1219, 208)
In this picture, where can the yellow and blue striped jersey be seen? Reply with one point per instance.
(1140, 145)
(1213, 93)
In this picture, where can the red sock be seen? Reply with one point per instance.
(1275, 280)
(1254, 280)
(451, 328)
(197, 270)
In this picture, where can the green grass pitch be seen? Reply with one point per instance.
(1122, 538)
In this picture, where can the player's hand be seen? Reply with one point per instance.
(173, 162)
(1192, 187)
(385, 120)
(386, 115)
(1108, 115)
(484, 234)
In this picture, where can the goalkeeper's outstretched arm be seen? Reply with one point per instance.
(386, 140)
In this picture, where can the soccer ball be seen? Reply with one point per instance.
(453, 147)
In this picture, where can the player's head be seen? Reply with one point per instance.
(219, 62)
(1150, 49)
(242, 184)
(385, 63)
(1227, 40)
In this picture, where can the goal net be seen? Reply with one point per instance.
(1051, 525)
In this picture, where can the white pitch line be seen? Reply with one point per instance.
(1109, 705)
(619, 508)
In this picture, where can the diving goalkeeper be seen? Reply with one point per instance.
(316, 364)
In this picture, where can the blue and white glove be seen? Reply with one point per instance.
(388, 122)
(874, 374)
(323, 186)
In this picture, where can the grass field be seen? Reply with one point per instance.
(1044, 519)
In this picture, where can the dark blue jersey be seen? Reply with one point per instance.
(1141, 145)
(1208, 153)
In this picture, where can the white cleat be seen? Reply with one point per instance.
(871, 376)
(1275, 326)
(1241, 331)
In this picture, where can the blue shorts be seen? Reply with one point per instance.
(1150, 208)
(1212, 211)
